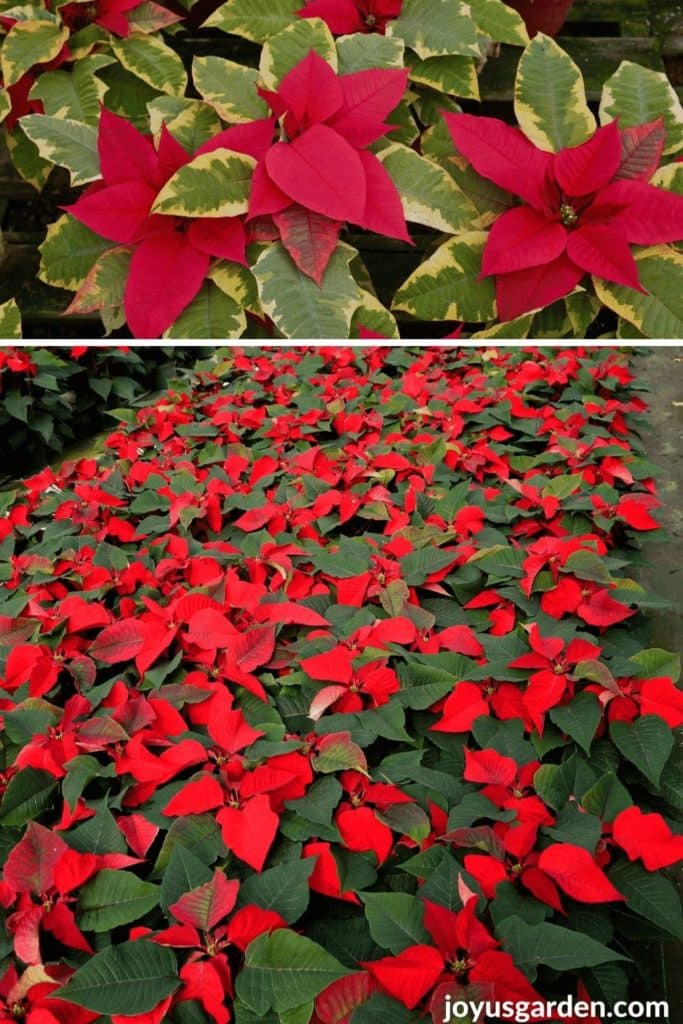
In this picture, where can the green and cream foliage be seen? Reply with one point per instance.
(443, 42)
(553, 113)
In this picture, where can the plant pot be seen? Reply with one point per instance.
(546, 16)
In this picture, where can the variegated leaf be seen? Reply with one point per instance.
(230, 89)
(149, 59)
(10, 321)
(214, 184)
(659, 313)
(428, 194)
(68, 253)
(285, 50)
(434, 28)
(637, 95)
(76, 94)
(212, 314)
(447, 286)
(67, 143)
(256, 20)
(550, 97)
(29, 43)
(295, 303)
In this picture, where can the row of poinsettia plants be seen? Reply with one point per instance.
(229, 200)
(327, 697)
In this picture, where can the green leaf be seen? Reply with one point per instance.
(395, 920)
(579, 719)
(418, 565)
(434, 28)
(185, 871)
(283, 889)
(337, 752)
(500, 22)
(650, 895)
(294, 302)
(646, 743)
(454, 75)
(364, 51)
(211, 314)
(76, 94)
(214, 184)
(112, 898)
(586, 565)
(10, 320)
(283, 970)
(576, 827)
(659, 312)
(230, 89)
(69, 252)
(655, 662)
(17, 406)
(29, 43)
(130, 978)
(446, 286)
(549, 945)
(637, 95)
(256, 20)
(606, 798)
(429, 195)
(27, 795)
(381, 1009)
(550, 98)
(149, 59)
(422, 686)
(372, 315)
(502, 561)
(288, 48)
(5, 105)
(65, 142)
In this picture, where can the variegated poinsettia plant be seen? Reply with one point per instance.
(328, 697)
(248, 203)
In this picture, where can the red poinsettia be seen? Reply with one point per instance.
(582, 208)
(171, 255)
(552, 662)
(343, 17)
(463, 957)
(320, 173)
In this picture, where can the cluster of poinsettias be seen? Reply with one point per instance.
(325, 696)
(310, 176)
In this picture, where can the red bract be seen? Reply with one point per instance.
(463, 954)
(171, 255)
(648, 838)
(343, 17)
(583, 208)
(553, 663)
(320, 173)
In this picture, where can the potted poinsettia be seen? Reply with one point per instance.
(576, 215)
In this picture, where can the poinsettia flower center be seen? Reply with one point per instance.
(568, 215)
(518, 794)
(371, 20)
(17, 1010)
(558, 668)
(461, 965)
(517, 868)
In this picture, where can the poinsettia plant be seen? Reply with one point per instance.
(576, 212)
(332, 669)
